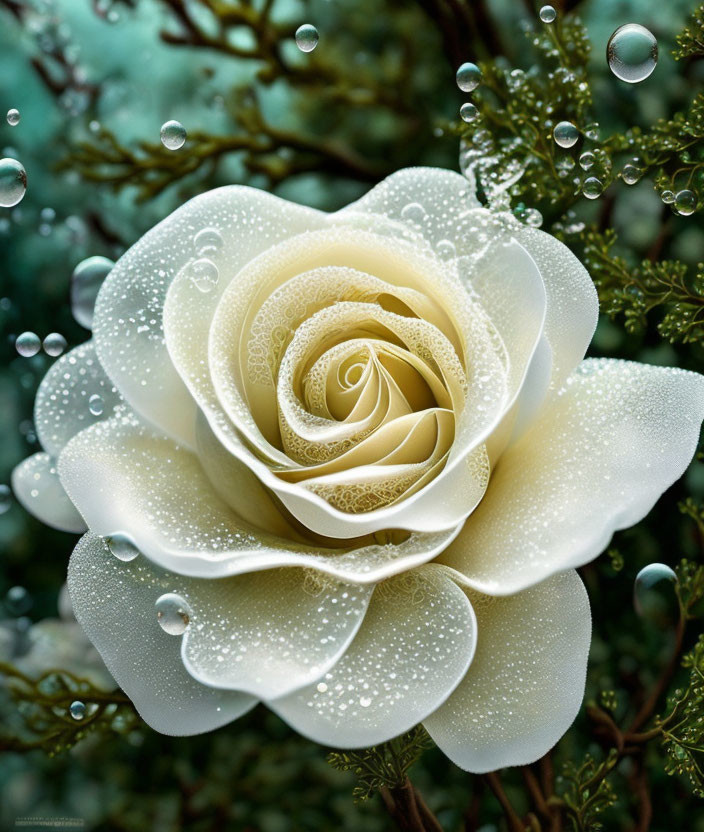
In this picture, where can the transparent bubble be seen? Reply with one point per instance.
(632, 53)
(685, 202)
(173, 135)
(86, 280)
(204, 274)
(307, 37)
(207, 241)
(28, 344)
(96, 404)
(668, 197)
(77, 709)
(533, 217)
(592, 187)
(173, 613)
(586, 160)
(17, 600)
(631, 174)
(13, 117)
(646, 601)
(446, 249)
(413, 212)
(5, 498)
(54, 344)
(13, 182)
(468, 77)
(468, 112)
(565, 134)
(122, 546)
(548, 14)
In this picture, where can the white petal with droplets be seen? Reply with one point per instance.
(35, 482)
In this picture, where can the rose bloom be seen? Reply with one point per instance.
(347, 464)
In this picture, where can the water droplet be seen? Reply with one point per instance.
(468, 77)
(122, 547)
(5, 498)
(86, 280)
(533, 217)
(632, 53)
(586, 160)
(307, 37)
(565, 134)
(96, 404)
(446, 249)
(685, 202)
(668, 197)
(28, 344)
(413, 212)
(591, 131)
(207, 241)
(592, 187)
(18, 600)
(54, 344)
(548, 14)
(631, 174)
(13, 117)
(645, 600)
(468, 112)
(321, 687)
(13, 182)
(173, 135)
(173, 614)
(204, 274)
(365, 701)
(77, 709)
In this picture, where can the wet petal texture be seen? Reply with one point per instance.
(526, 683)
(617, 436)
(416, 642)
(36, 484)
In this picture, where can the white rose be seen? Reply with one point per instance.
(391, 400)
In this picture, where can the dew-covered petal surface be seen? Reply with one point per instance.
(597, 460)
(127, 326)
(63, 405)
(125, 478)
(35, 482)
(114, 603)
(415, 644)
(526, 683)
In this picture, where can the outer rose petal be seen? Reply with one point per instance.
(598, 459)
(526, 683)
(416, 643)
(118, 616)
(36, 485)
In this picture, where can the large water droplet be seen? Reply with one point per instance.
(204, 274)
(13, 182)
(468, 112)
(547, 14)
(632, 53)
(173, 614)
(586, 160)
(685, 202)
(645, 601)
(77, 709)
(96, 404)
(207, 241)
(307, 37)
(592, 187)
(28, 344)
(173, 135)
(13, 117)
(86, 280)
(122, 546)
(631, 174)
(468, 77)
(413, 212)
(668, 197)
(565, 134)
(54, 344)
(5, 498)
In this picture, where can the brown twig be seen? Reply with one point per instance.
(493, 780)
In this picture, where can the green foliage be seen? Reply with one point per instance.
(588, 791)
(690, 42)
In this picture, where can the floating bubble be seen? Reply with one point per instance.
(592, 187)
(173, 135)
(631, 174)
(86, 280)
(28, 344)
(547, 14)
(632, 53)
(13, 117)
(173, 614)
(685, 202)
(13, 182)
(77, 709)
(668, 197)
(307, 37)
(96, 404)
(645, 600)
(18, 600)
(5, 498)
(204, 274)
(54, 344)
(122, 546)
(565, 134)
(468, 77)
(586, 160)
(468, 112)
(207, 241)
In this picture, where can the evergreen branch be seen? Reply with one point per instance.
(690, 42)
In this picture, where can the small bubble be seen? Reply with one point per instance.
(586, 160)
(446, 249)
(207, 241)
(77, 709)
(668, 197)
(413, 212)
(18, 600)
(468, 112)
(122, 546)
(632, 53)
(565, 134)
(173, 614)
(96, 404)
(547, 14)
(54, 344)
(13, 117)
(28, 344)
(86, 280)
(204, 274)
(645, 600)
(592, 187)
(307, 37)
(631, 174)
(685, 202)
(468, 77)
(5, 498)
(13, 182)
(533, 217)
(173, 135)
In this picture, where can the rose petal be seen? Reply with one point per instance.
(115, 607)
(526, 683)
(618, 435)
(415, 644)
(36, 485)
